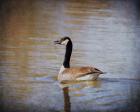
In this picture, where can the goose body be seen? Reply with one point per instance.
(68, 73)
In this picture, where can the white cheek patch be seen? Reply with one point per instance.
(65, 42)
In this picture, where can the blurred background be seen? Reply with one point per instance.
(105, 34)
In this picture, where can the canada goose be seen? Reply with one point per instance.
(68, 73)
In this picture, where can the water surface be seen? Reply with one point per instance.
(105, 34)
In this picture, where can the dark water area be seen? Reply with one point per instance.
(105, 34)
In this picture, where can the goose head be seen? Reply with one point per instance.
(63, 41)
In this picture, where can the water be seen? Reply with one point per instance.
(105, 34)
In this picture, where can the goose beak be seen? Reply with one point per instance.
(57, 42)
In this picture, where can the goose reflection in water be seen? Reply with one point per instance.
(103, 95)
(66, 88)
(67, 103)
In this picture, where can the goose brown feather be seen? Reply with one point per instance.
(76, 72)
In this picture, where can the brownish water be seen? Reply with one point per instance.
(105, 34)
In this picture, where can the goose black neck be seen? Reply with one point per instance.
(66, 62)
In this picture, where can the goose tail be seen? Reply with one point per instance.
(96, 70)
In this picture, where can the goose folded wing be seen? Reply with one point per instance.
(81, 71)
